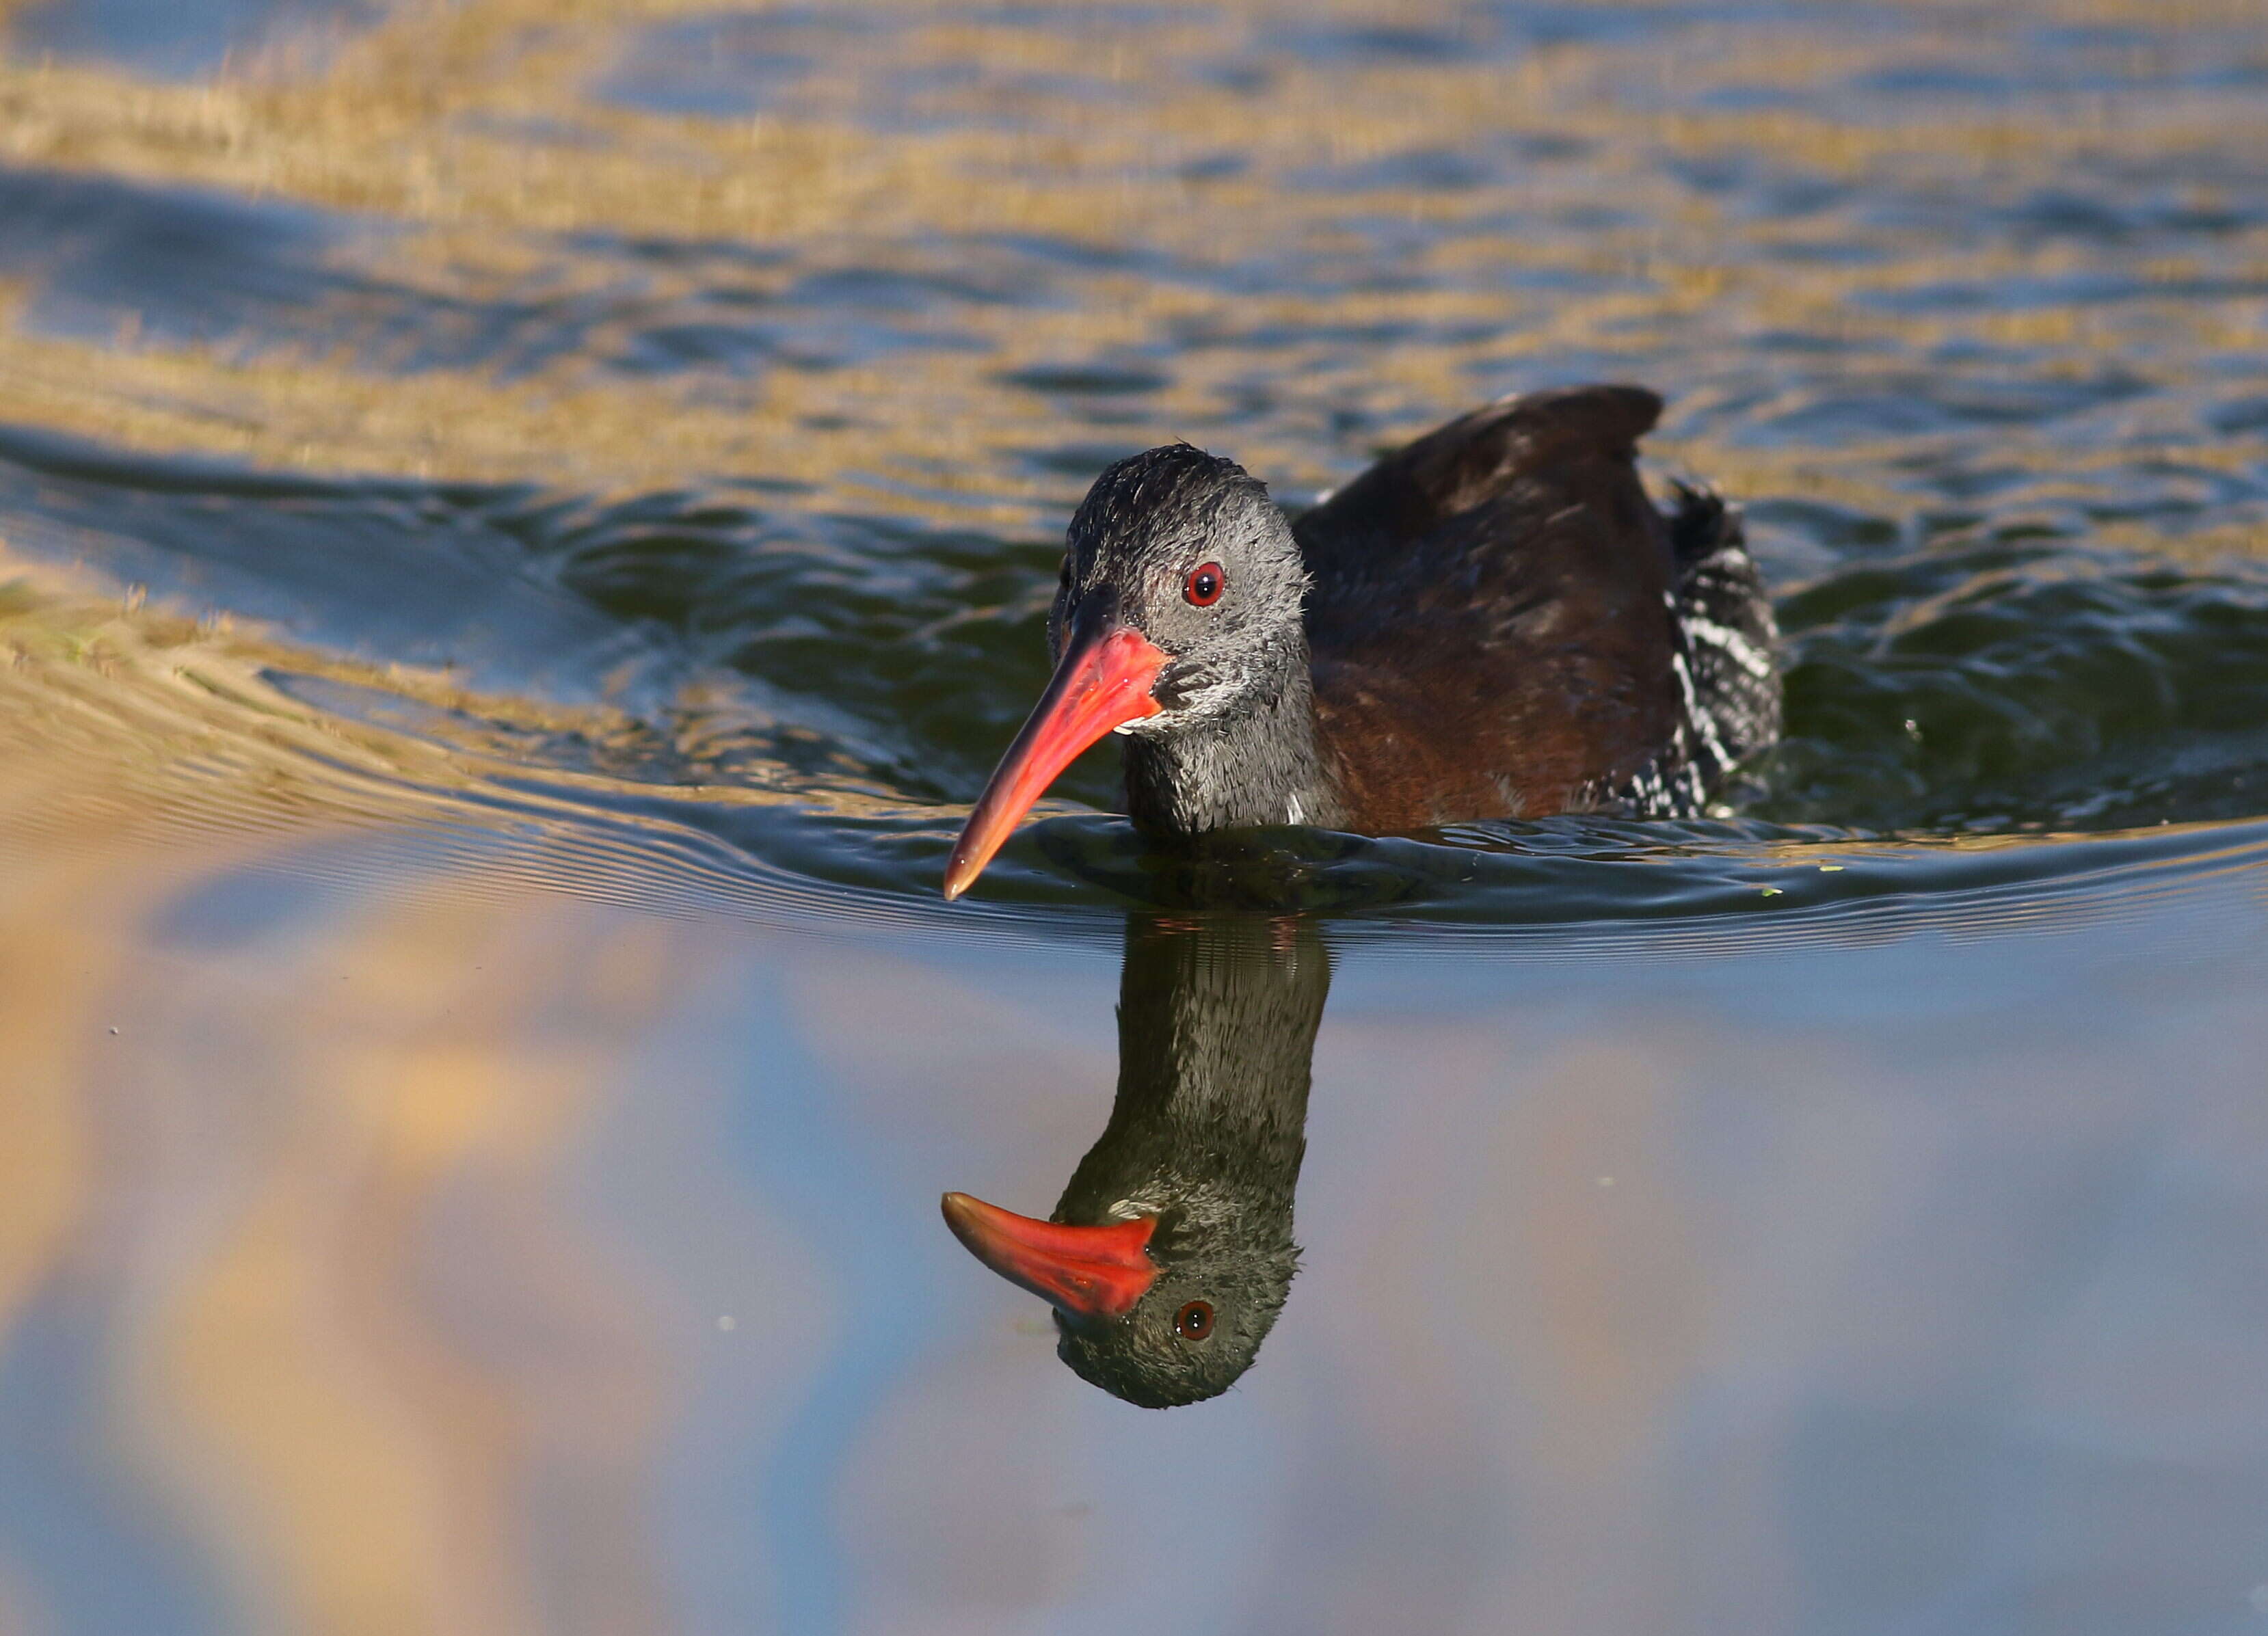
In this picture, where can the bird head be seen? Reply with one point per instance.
(1157, 1306)
(1179, 604)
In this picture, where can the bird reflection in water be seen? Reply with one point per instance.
(1170, 1252)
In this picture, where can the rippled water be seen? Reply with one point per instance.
(521, 532)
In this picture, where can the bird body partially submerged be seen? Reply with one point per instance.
(1494, 622)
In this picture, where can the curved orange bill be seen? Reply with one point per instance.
(1088, 1271)
(1102, 681)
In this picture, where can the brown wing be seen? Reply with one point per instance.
(1490, 619)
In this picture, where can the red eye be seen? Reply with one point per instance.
(1205, 583)
(1193, 1320)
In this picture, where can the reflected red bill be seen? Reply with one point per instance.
(1088, 1271)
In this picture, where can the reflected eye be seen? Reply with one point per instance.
(1205, 583)
(1194, 1322)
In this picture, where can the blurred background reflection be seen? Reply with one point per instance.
(415, 1256)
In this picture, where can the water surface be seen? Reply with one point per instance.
(521, 533)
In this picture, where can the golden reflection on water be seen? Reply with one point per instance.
(238, 1165)
(465, 139)
(252, 1209)
(347, 1450)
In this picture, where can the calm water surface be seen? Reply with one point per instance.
(522, 530)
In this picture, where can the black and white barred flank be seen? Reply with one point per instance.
(1727, 661)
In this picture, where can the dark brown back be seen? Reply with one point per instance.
(1490, 618)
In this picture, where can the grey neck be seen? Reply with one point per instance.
(1262, 766)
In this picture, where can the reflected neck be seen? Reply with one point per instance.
(1216, 1036)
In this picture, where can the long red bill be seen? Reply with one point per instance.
(1102, 681)
(1088, 1271)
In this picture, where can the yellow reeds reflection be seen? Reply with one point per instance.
(55, 959)
(315, 1199)
(364, 1456)
(257, 1180)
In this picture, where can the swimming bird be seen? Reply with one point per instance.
(1169, 1258)
(1493, 622)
